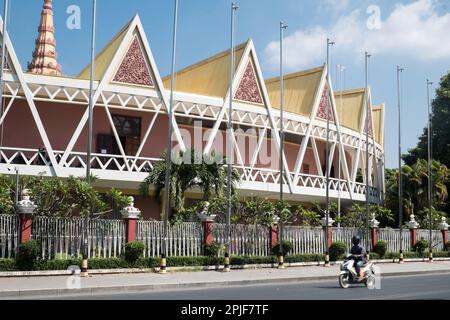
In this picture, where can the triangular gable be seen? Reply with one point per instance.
(134, 68)
(324, 101)
(248, 89)
(104, 58)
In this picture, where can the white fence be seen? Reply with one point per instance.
(246, 240)
(9, 235)
(62, 238)
(345, 235)
(436, 238)
(184, 239)
(305, 239)
(392, 238)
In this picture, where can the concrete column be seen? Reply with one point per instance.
(25, 209)
(328, 229)
(374, 223)
(130, 214)
(207, 221)
(444, 229)
(413, 225)
(273, 232)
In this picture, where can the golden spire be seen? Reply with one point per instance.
(44, 56)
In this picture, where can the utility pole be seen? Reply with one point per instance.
(400, 177)
(368, 116)
(283, 27)
(430, 173)
(4, 59)
(327, 161)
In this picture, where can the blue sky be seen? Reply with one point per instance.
(409, 33)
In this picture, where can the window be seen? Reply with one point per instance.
(129, 131)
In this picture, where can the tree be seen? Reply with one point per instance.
(189, 169)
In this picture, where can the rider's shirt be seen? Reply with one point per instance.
(357, 250)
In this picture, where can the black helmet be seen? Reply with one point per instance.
(356, 240)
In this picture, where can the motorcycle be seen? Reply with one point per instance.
(348, 274)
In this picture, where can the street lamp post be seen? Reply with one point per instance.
(283, 27)
(234, 8)
(84, 265)
(327, 161)
(430, 177)
(367, 124)
(3, 62)
(341, 70)
(400, 178)
(163, 263)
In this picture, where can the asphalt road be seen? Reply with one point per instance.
(424, 287)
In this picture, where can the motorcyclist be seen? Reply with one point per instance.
(359, 254)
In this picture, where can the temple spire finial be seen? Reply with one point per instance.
(44, 56)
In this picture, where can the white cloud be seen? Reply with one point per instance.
(415, 30)
(334, 5)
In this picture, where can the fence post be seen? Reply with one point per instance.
(207, 222)
(328, 229)
(25, 209)
(374, 223)
(130, 214)
(273, 232)
(444, 229)
(413, 225)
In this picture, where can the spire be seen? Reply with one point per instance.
(44, 56)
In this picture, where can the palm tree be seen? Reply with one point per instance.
(190, 169)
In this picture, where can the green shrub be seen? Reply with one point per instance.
(380, 248)
(29, 253)
(8, 265)
(306, 257)
(287, 247)
(212, 250)
(337, 251)
(420, 246)
(133, 251)
(374, 256)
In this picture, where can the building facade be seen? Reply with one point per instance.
(44, 123)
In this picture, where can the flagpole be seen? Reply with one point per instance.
(430, 177)
(400, 178)
(283, 27)
(367, 56)
(327, 161)
(84, 266)
(234, 8)
(2, 71)
(165, 252)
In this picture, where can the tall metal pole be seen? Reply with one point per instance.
(283, 27)
(400, 178)
(367, 56)
(234, 8)
(4, 57)
(430, 177)
(341, 70)
(84, 265)
(327, 161)
(169, 145)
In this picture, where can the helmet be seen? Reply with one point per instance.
(356, 240)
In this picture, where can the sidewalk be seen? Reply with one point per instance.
(100, 284)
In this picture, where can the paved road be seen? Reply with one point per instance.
(392, 288)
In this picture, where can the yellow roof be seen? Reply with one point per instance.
(350, 108)
(299, 90)
(104, 58)
(209, 77)
(378, 123)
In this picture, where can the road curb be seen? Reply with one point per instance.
(54, 293)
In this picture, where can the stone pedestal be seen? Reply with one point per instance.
(25, 209)
(328, 229)
(374, 223)
(130, 214)
(413, 225)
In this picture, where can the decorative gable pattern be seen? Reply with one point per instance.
(322, 112)
(134, 69)
(248, 89)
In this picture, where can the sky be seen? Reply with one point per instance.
(414, 34)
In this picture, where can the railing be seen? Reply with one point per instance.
(392, 238)
(62, 238)
(184, 239)
(436, 238)
(246, 240)
(305, 239)
(9, 235)
(345, 235)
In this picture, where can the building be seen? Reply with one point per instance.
(44, 124)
